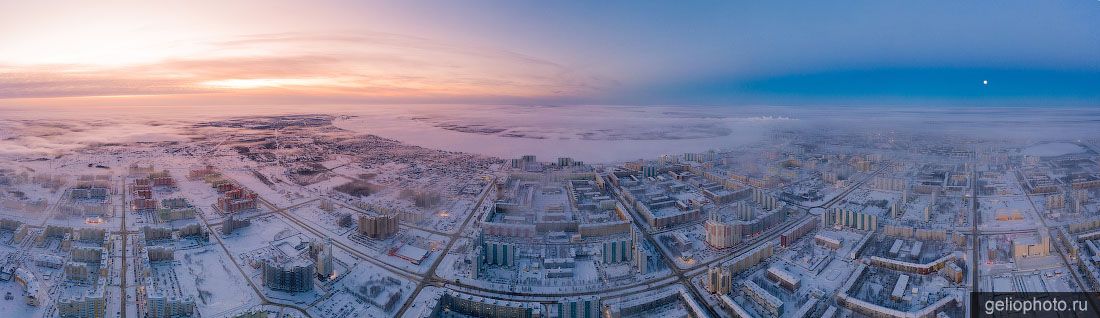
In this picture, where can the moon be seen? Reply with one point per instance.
(985, 82)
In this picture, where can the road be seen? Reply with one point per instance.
(454, 237)
(685, 280)
(335, 242)
(1057, 246)
(244, 274)
(125, 238)
(975, 235)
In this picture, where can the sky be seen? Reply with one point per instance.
(179, 53)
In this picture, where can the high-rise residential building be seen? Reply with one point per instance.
(378, 226)
(293, 276)
(617, 250)
(719, 280)
(500, 253)
(720, 233)
(232, 223)
(581, 307)
(237, 199)
(849, 218)
(321, 252)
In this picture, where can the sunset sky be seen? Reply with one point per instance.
(552, 52)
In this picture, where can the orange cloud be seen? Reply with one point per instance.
(297, 67)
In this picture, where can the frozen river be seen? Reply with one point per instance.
(587, 133)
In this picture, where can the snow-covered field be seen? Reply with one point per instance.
(1053, 149)
(218, 285)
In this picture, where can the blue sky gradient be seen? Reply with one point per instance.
(716, 52)
(557, 52)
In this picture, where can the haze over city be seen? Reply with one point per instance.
(254, 159)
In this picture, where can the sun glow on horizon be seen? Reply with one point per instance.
(161, 51)
(254, 83)
(298, 67)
